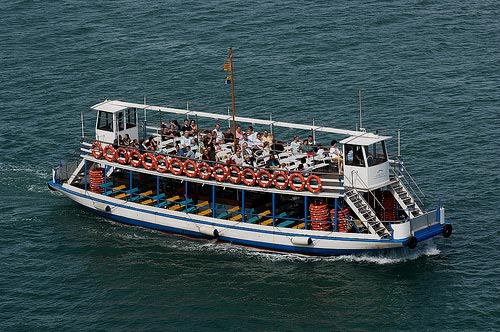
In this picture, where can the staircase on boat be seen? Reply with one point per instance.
(365, 213)
(405, 199)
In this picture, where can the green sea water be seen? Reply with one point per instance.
(429, 68)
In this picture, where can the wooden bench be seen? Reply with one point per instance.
(256, 218)
(236, 217)
(114, 190)
(286, 223)
(205, 212)
(153, 199)
(270, 220)
(299, 226)
(127, 193)
(180, 205)
(141, 196)
(197, 207)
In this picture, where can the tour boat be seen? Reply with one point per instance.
(310, 201)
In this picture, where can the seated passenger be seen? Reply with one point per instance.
(272, 163)
(336, 156)
(295, 145)
(190, 153)
(239, 132)
(228, 136)
(186, 127)
(267, 137)
(126, 140)
(237, 158)
(194, 127)
(248, 161)
(152, 145)
(218, 134)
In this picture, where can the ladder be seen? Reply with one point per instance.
(365, 213)
(405, 200)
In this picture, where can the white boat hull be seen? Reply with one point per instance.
(272, 238)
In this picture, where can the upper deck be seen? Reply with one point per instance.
(365, 166)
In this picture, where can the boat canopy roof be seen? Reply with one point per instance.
(363, 140)
(355, 137)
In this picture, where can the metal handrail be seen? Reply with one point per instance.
(369, 191)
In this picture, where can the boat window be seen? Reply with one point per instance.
(354, 155)
(376, 154)
(105, 121)
(121, 121)
(131, 117)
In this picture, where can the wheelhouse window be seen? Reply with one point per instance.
(131, 117)
(354, 155)
(376, 154)
(105, 121)
(121, 123)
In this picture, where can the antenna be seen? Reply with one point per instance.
(360, 112)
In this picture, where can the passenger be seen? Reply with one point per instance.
(126, 140)
(244, 139)
(245, 149)
(266, 149)
(208, 140)
(190, 153)
(184, 142)
(186, 127)
(302, 164)
(219, 136)
(267, 137)
(306, 147)
(211, 153)
(248, 161)
(257, 143)
(295, 145)
(228, 136)
(134, 144)
(239, 132)
(237, 158)
(143, 146)
(311, 141)
(194, 127)
(205, 155)
(272, 163)
(251, 136)
(336, 155)
(152, 145)
(176, 125)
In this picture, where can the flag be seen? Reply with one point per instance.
(227, 66)
(228, 79)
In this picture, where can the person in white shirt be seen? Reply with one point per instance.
(184, 142)
(251, 136)
(237, 158)
(219, 135)
(295, 145)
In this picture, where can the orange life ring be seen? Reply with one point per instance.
(218, 176)
(318, 180)
(248, 181)
(190, 171)
(204, 171)
(109, 153)
(175, 166)
(121, 155)
(137, 161)
(293, 185)
(149, 165)
(234, 174)
(277, 184)
(261, 178)
(161, 163)
(96, 150)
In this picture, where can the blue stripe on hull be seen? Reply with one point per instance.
(428, 232)
(254, 244)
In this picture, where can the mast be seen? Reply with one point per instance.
(228, 66)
